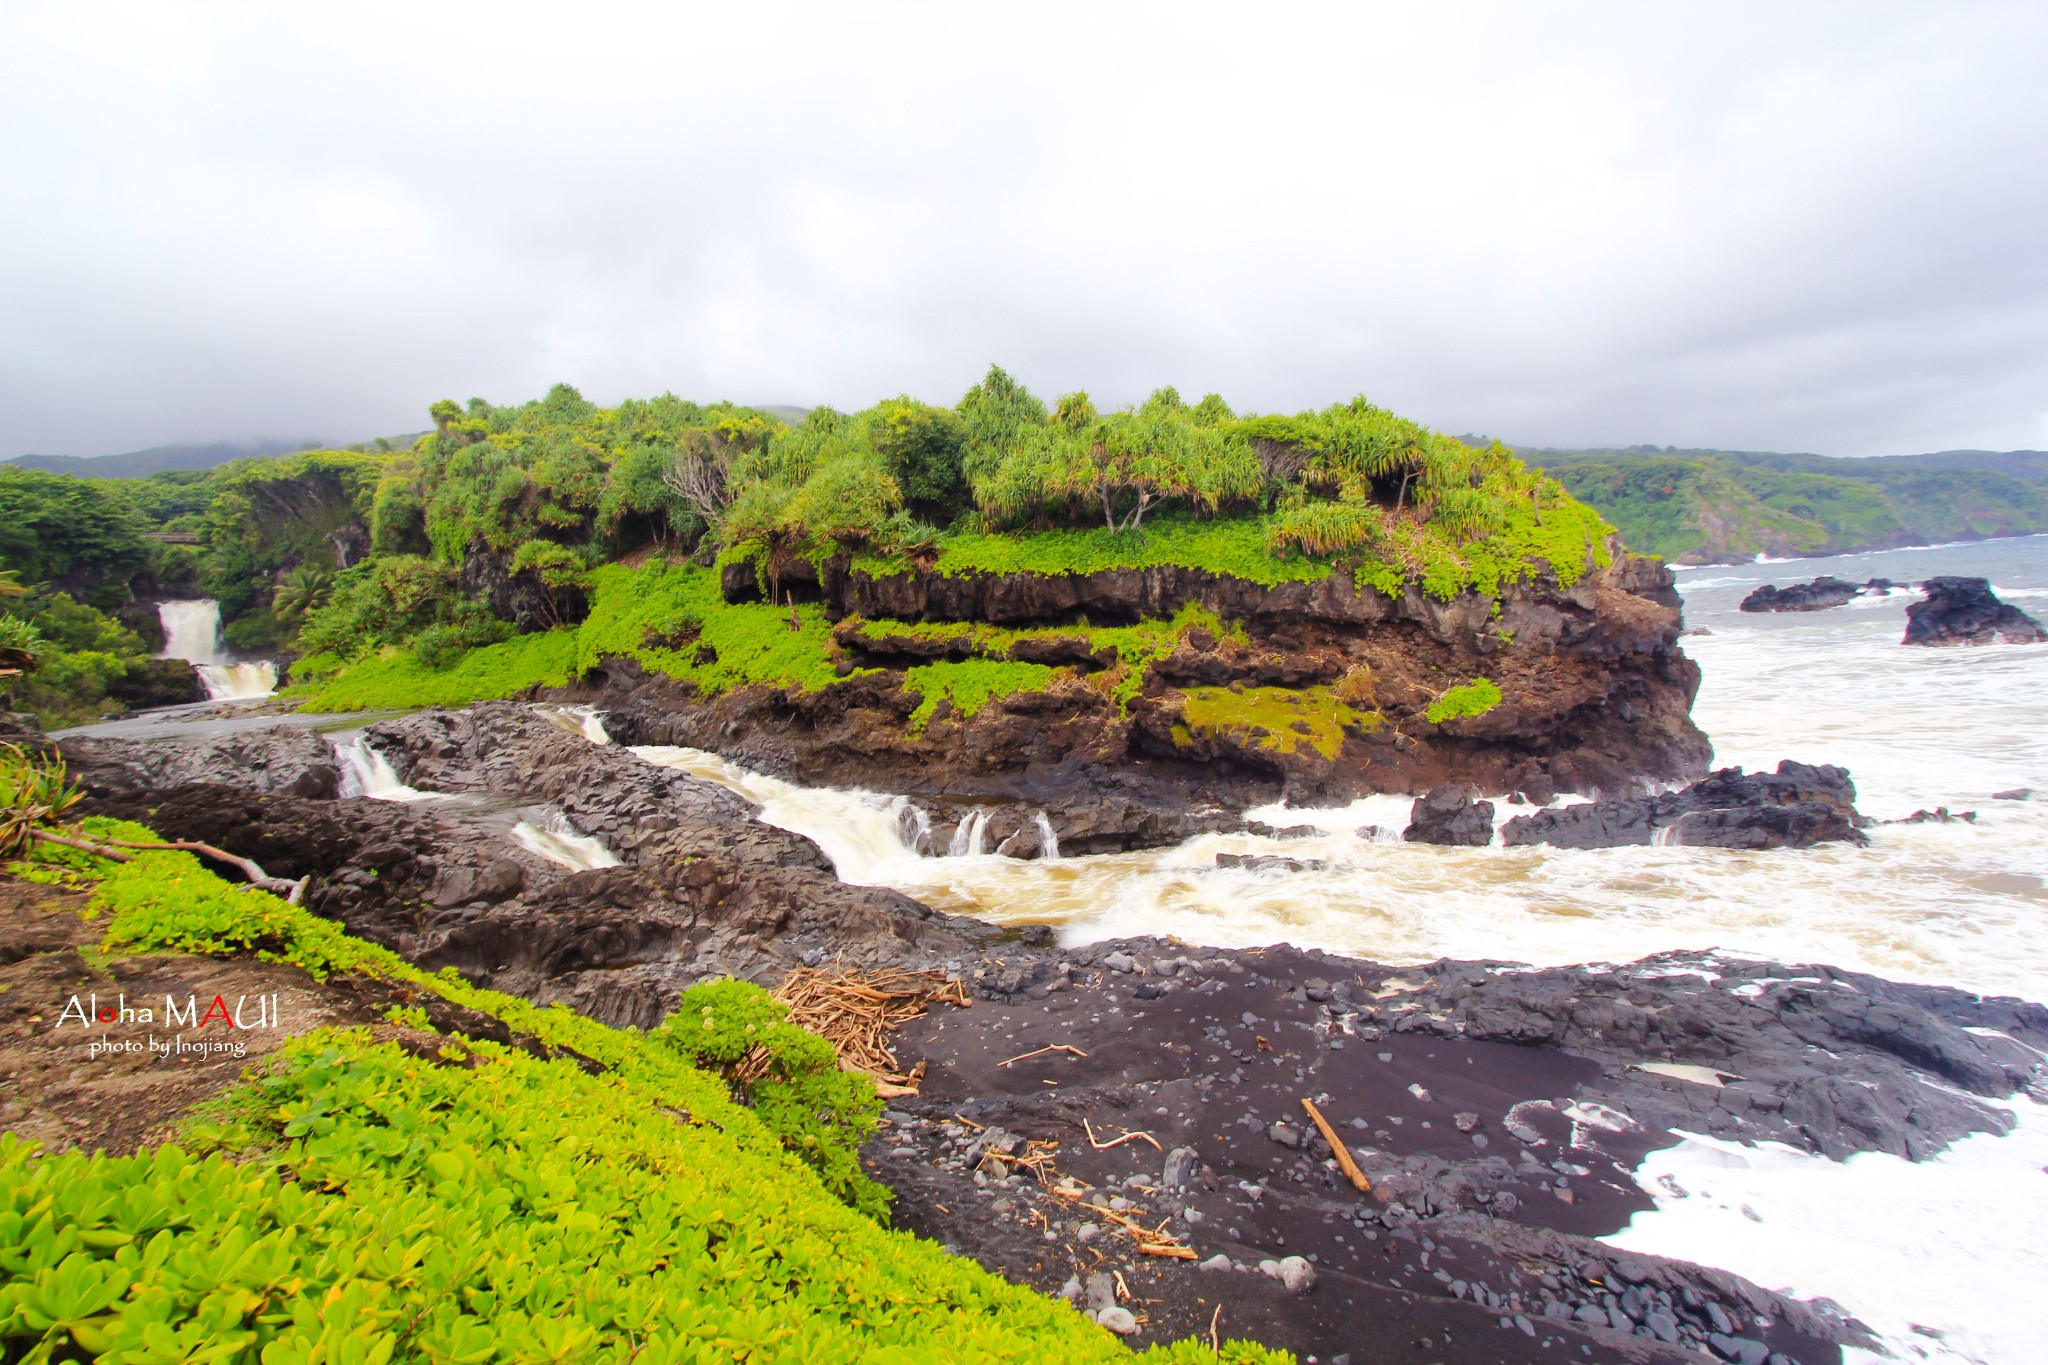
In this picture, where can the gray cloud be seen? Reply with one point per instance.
(1703, 225)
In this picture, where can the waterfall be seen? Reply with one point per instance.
(586, 721)
(870, 838)
(1665, 836)
(967, 839)
(913, 827)
(365, 772)
(1048, 842)
(192, 633)
(559, 842)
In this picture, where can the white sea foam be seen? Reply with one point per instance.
(1942, 1258)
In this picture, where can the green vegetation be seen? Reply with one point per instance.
(790, 1078)
(1278, 719)
(405, 575)
(357, 1202)
(969, 685)
(1704, 506)
(1466, 700)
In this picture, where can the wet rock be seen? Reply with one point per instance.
(1266, 831)
(1964, 611)
(284, 759)
(158, 682)
(1452, 816)
(1269, 862)
(1797, 806)
(1818, 595)
(2015, 794)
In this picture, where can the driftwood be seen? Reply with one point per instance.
(856, 1011)
(1343, 1153)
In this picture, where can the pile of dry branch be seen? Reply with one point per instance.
(856, 1010)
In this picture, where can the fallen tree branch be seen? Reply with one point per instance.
(112, 848)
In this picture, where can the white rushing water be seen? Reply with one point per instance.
(560, 842)
(586, 721)
(365, 772)
(1941, 1258)
(1961, 904)
(192, 633)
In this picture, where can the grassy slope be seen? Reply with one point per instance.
(362, 1203)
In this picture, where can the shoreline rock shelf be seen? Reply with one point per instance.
(1819, 595)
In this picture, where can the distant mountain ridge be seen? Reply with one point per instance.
(140, 464)
(1728, 506)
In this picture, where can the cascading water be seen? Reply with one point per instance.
(586, 721)
(192, 633)
(967, 838)
(560, 842)
(365, 772)
(1048, 842)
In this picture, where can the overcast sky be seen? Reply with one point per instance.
(1803, 227)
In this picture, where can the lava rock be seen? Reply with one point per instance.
(1797, 806)
(1452, 816)
(283, 759)
(1964, 611)
(1820, 594)
(1269, 862)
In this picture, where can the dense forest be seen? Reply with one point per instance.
(513, 545)
(1727, 506)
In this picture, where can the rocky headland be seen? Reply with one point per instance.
(1321, 692)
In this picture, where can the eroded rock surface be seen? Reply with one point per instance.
(1799, 805)
(286, 759)
(1964, 611)
(1596, 695)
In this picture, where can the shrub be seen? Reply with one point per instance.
(788, 1076)
(1474, 698)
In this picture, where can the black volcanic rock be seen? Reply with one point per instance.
(1452, 816)
(1964, 611)
(1818, 595)
(1799, 805)
(285, 759)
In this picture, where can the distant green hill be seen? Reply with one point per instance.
(1726, 506)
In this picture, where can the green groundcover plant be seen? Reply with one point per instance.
(357, 1201)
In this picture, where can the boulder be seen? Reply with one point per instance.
(1964, 611)
(158, 682)
(1799, 805)
(1452, 816)
(1820, 594)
